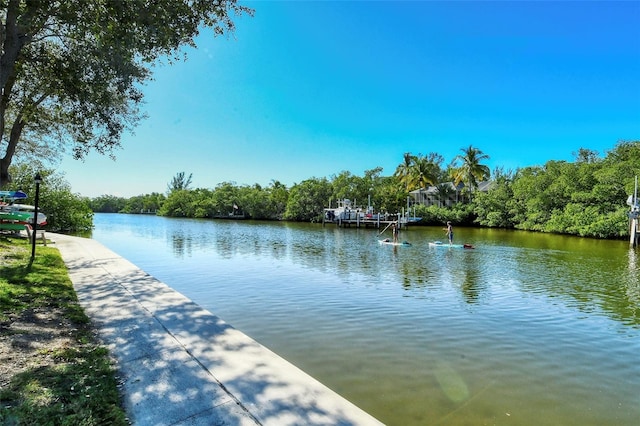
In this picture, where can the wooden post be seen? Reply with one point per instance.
(633, 217)
(37, 180)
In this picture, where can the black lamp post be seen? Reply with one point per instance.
(38, 180)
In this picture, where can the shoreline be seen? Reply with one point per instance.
(180, 364)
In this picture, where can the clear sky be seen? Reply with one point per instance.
(311, 88)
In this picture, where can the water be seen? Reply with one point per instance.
(527, 329)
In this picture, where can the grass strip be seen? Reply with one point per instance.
(53, 370)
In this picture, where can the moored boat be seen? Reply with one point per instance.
(345, 211)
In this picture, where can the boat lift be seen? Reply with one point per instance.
(347, 213)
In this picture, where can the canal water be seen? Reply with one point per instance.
(525, 329)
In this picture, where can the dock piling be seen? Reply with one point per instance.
(634, 226)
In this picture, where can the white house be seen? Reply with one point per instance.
(444, 194)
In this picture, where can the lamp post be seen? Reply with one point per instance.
(38, 180)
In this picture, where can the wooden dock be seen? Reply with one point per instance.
(369, 222)
(346, 215)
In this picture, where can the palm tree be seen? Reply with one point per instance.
(404, 170)
(470, 172)
(179, 182)
(443, 192)
(424, 172)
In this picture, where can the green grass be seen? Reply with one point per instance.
(73, 384)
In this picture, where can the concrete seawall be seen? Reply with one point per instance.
(180, 364)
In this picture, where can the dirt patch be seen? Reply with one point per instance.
(29, 339)
(8, 253)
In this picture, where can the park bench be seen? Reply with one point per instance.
(38, 233)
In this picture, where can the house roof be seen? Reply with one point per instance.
(482, 186)
(486, 185)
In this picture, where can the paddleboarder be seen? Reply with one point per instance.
(449, 230)
(394, 230)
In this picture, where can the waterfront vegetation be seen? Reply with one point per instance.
(585, 197)
(65, 210)
(53, 370)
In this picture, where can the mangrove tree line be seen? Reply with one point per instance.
(585, 197)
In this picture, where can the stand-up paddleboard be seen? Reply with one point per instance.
(441, 244)
(391, 243)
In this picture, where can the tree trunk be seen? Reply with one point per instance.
(5, 178)
(16, 132)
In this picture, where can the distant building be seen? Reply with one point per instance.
(445, 194)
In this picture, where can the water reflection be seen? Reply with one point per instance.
(633, 286)
(374, 322)
(473, 284)
(581, 273)
(181, 244)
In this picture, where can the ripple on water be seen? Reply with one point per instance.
(538, 330)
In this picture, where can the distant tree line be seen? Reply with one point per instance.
(586, 197)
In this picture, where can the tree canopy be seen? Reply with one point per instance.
(71, 73)
(65, 210)
(179, 182)
(419, 171)
(586, 197)
(470, 171)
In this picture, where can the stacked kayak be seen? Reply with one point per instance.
(14, 216)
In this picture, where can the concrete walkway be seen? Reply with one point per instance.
(181, 365)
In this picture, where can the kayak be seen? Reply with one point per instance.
(391, 243)
(441, 244)
(12, 195)
(14, 216)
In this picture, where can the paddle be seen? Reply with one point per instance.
(391, 223)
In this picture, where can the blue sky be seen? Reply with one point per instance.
(311, 88)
